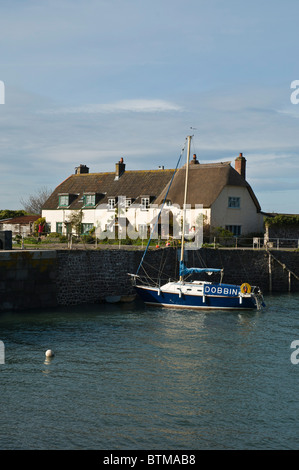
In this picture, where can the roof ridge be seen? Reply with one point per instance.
(211, 164)
(127, 171)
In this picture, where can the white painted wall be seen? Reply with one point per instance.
(246, 216)
(101, 217)
(18, 229)
(218, 215)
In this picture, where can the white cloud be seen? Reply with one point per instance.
(134, 105)
(107, 79)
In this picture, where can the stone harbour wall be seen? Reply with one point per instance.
(27, 279)
(91, 276)
(45, 279)
(268, 270)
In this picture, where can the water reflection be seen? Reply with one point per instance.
(47, 362)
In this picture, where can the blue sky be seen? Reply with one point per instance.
(96, 80)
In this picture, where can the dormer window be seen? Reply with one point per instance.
(128, 203)
(64, 200)
(111, 203)
(145, 202)
(89, 200)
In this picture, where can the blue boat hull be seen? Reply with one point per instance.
(152, 296)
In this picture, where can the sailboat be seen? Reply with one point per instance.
(186, 294)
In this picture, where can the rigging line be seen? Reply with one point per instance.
(202, 261)
(161, 260)
(147, 277)
(150, 279)
(194, 147)
(153, 268)
(164, 260)
(153, 231)
(162, 265)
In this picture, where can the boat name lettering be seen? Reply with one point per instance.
(221, 290)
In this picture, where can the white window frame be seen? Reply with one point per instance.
(66, 198)
(145, 201)
(86, 227)
(234, 202)
(111, 203)
(89, 200)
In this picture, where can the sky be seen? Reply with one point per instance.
(88, 82)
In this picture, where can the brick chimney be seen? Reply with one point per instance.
(81, 169)
(119, 168)
(240, 165)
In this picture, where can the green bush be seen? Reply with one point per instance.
(54, 235)
(281, 219)
(30, 240)
(87, 239)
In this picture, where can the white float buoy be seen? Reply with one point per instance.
(49, 353)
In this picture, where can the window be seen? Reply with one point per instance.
(85, 228)
(145, 202)
(234, 202)
(142, 229)
(58, 227)
(235, 229)
(68, 227)
(89, 200)
(111, 203)
(64, 200)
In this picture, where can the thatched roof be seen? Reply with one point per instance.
(205, 183)
(131, 184)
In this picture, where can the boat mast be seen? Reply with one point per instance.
(185, 199)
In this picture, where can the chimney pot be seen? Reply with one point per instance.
(194, 161)
(81, 169)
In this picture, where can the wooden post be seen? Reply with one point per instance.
(270, 273)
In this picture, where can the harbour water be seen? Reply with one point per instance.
(125, 376)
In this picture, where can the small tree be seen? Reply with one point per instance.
(222, 232)
(10, 214)
(75, 221)
(33, 203)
